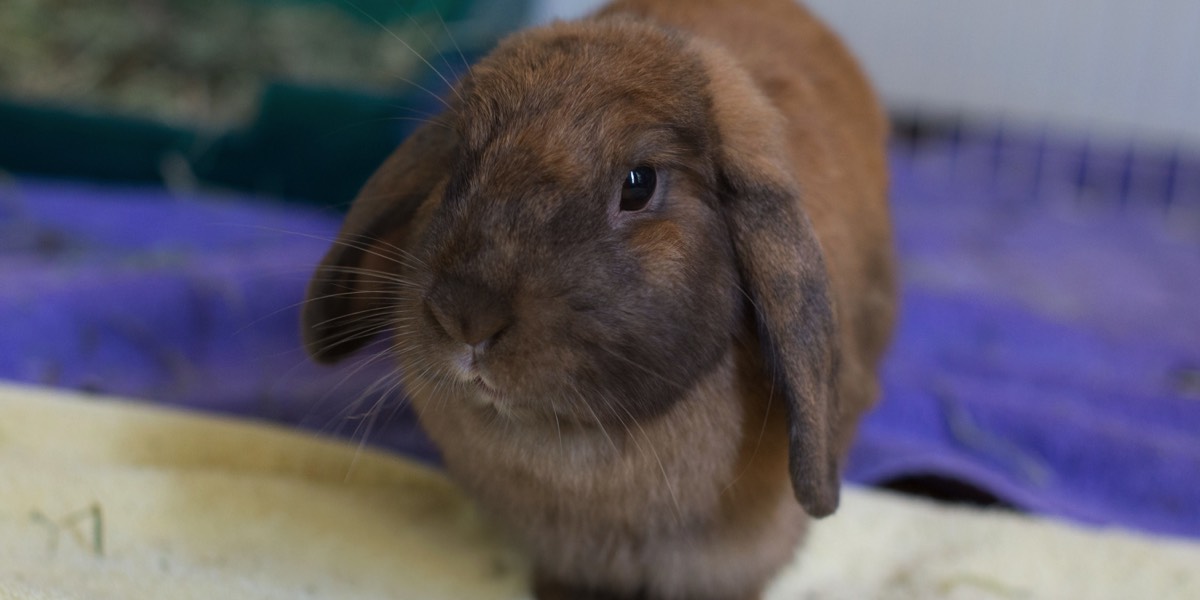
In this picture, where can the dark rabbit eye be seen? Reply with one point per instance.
(638, 188)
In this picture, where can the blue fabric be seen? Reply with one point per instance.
(1049, 344)
(189, 300)
(1048, 348)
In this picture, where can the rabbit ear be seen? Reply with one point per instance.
(785, 279)
(352, 278)
(784, 274)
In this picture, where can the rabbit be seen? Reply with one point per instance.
(638, 279)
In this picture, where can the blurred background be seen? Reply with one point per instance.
(171, 171)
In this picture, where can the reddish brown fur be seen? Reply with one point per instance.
(654, 370)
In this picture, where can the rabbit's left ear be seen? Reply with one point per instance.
(782, 269)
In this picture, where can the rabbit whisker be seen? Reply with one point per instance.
(424, 33)
(762, 431)
(370, 247)
(644, 369)
(558, 429)
(382, 276)
(410, 49)
(662, 468)
(596, 417)
(450, 36)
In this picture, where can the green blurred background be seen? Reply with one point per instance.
(299, 99)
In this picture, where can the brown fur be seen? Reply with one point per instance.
(650, 378)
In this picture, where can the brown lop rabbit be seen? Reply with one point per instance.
(639, 278)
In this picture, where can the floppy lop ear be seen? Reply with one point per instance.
(346, 304)
(784, 275)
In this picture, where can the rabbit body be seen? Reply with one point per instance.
(653, 401)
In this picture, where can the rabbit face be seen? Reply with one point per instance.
(575, 266)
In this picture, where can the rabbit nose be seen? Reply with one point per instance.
(470, 314)
(481, 331)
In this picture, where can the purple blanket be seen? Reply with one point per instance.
(1048, 351)
(1049, 345)
(185, 300)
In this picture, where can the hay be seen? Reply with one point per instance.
(196, 63)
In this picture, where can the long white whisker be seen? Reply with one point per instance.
(357, 294)
(654, 452)
(643, 369)
(757, 443)
(424, 33)
(372, 417)
(596, 417)
(558, 428)
(370, 248)
(450, 34)
(383, 276)
(410, 49)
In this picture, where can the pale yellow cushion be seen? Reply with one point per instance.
(193, 506)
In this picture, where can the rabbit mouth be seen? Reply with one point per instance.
(491, 399)
(486, 388)
(469, 372)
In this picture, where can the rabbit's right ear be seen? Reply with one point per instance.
(783, 273)
(347, 300)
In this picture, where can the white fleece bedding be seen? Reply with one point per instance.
(103, 499)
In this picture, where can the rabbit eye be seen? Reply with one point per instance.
(638, 188)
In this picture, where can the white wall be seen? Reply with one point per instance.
(1122, 68)
(546, 10)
